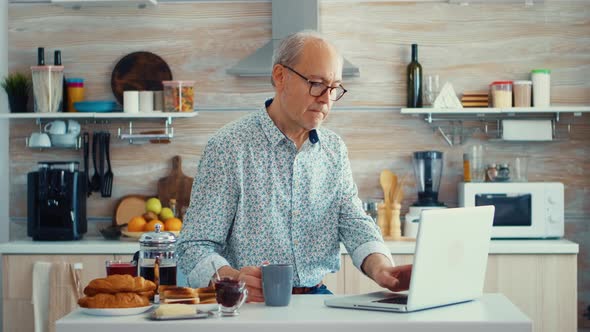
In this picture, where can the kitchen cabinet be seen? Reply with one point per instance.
(17, 283)
(543, 286)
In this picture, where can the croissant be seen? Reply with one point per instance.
(118, 283)
(118, 300)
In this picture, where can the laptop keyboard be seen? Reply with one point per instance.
(395, 299)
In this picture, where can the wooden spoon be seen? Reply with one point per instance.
(394, 183)
(386, 179)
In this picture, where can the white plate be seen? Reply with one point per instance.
(115, 311)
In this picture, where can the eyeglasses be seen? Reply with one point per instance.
(317, 89)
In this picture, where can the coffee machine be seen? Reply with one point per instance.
(428, 167)
(56, 202)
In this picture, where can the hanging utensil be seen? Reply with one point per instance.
(101, 137)
(107, 187)
(95, 183)
(86, 148)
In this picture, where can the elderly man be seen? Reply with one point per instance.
(275, 187)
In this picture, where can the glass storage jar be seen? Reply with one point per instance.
(179, 96)
(501, 94)
(541, 87)
(522, 93)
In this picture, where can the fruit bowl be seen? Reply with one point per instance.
(137, 235)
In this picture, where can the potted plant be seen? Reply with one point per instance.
(17, 87)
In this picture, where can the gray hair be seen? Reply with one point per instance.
(291, 47)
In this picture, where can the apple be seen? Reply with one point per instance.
(153, 205)
(166, 213)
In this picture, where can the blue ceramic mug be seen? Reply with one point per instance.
(277, 283)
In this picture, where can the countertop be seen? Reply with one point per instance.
(492, 312)
(129, 246)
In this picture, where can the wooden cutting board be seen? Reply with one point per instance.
(176, 185)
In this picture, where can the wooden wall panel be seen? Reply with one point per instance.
(470, 46)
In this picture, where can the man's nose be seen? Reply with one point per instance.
(324, 97)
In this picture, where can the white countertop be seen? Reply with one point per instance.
(129, 246)
(493, 312)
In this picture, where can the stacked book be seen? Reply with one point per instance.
(475, 99)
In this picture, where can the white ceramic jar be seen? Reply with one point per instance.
(541, 87)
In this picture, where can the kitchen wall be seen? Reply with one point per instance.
(470, 46)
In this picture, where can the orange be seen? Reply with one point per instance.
(173, 224)
(151, 226)
(136, 224)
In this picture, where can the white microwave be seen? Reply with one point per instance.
(523, 209)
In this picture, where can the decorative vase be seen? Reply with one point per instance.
(18, 103)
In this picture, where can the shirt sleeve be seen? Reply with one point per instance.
(357, 231)
(209, 216)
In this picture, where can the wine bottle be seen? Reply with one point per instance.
(414, 80)
(64, 99)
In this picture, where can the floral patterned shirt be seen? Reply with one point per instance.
(257, 198)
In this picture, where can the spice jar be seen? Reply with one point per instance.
(491, 172)
(466, 167)
(501, 94)
(522, 93)
(75, 87)
(541, 87)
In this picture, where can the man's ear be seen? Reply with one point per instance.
(278, 76)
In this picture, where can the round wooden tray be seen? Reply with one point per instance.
(141, 71)
(128, 207)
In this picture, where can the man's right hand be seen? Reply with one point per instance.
(251, 275)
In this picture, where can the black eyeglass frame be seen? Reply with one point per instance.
(312, 84)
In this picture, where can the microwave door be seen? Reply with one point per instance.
(513, 216)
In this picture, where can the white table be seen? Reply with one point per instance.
(307, 313)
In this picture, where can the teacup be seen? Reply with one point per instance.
(230, 294)
(73, 127)
(57, 127)
(39, 140)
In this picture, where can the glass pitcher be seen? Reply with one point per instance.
(157, 260)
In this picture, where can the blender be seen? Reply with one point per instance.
(428, 171)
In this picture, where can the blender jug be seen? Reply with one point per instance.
(428, 171)
(157, 261)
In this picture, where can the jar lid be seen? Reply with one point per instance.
(157, 237)
(522, 82)
(501, 82)
(541, 71)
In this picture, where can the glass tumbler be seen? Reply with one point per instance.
(431, 89)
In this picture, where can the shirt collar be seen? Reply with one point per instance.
(274, 134)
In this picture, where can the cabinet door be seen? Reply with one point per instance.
(544, 287)
(18, 279)
(355, 282)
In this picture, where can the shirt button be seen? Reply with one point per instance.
(295, 213)
(295, 242)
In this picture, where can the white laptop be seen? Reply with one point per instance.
(449, 264)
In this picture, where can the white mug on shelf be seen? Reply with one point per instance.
(57, 127)
(131, 101)
(146, 101)
(73, 127)
(39, 140)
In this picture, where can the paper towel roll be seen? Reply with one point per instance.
(527, 130)
(158, 100)
(146, 101)
(131, 101)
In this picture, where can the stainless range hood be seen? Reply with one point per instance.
(288, 17)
